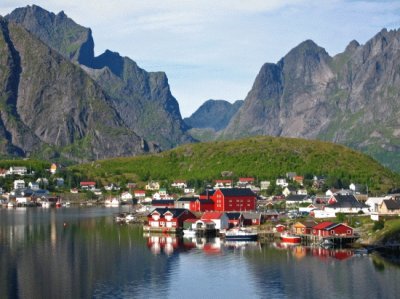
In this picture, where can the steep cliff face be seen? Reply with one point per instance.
(52, 108)
(352, 98)
(142, 99)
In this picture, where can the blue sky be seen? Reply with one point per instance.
(214, 49)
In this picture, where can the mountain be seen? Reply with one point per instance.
(143, 100)
(260, 157)
(213, 114)
(51, 108)
(352, 98)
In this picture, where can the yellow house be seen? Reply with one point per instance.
(389, 206)
(53, 168)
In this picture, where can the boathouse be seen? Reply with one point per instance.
(169, 217)
(304, 227)
(330, 229)
(220, 219)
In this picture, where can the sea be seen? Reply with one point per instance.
(80, 252)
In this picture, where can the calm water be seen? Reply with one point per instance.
(92, 257)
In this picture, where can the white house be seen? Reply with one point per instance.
(139, 194)
(152, 185)
(220, 219)
(345, 204)
(282, 182)
(179, 184)
(374, 202)
(34, 185)
(126, 196)
(323, 214)
(19, 170)
(264, 185)
(188, 190)
(19, 184)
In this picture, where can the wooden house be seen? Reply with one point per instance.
(234, 218)
(220, 219)
(234, 199)
(252, 218)
(389, 207)
(168, 217)
(330, 229)
(345, 204)
(304, 227)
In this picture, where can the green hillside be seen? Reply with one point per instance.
(259, 157)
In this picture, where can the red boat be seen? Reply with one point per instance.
(288, 238)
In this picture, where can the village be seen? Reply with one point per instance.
(235, 210)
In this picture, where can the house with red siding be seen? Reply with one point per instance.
(163, 203)
(168, 217)
(234, 199)
(195, 204)
(330, 229)
(252, 218)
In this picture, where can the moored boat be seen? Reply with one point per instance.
(114, 202)
(189, 232)
(288, 238)
(240, 234)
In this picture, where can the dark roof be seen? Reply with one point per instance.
(296, 197)
(251, 215)
(191, 199)
(176, 212)
(210, 192)
(162, 201)
(392, 204)
(237, 192)
(203, 201)
(347, 201)
(233, 215)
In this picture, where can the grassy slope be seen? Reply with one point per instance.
(261, 157)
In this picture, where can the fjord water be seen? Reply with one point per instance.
(82, 253)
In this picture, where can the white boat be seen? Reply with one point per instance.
(11, 204)
(240, 234)
(46, 204)
(130, 218)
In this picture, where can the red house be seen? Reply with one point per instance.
(166, 203)
(195, 204)
(327, 229)
(169, 217)
(234, 199)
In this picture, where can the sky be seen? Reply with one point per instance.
(213, 49)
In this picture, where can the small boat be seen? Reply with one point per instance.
(189, 232)
(130, 218)
(326, 243)
(288, 238)
(240, 234)
(11, 204)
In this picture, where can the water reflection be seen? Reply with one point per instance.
(92, 257)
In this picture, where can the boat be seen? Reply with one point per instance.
(240, 234)
(326, 243)
(288, 238)
(120, 217)
(11, 204)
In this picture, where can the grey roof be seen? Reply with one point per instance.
(392, 204)
(251, 215)
(347, 201)
(190, 199)
(176, 212)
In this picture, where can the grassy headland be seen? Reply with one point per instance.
(259, 157)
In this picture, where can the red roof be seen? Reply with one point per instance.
(211, 215)
(139, 191)
(246, 179)
(323, 225)
(88, 183)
